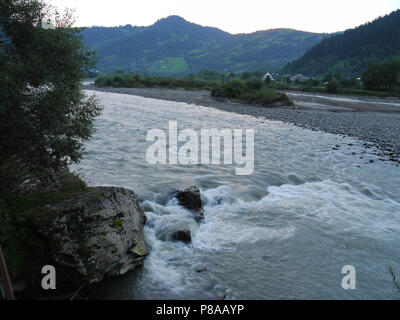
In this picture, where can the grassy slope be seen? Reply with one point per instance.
(175, 47)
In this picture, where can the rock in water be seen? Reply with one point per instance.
(96, 234)
(179, 229)
(182, 235)
(189, 198)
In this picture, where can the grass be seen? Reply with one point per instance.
(171, 65)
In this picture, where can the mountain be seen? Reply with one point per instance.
(350, 52)
(173, 46)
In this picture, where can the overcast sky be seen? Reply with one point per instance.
(232, 15)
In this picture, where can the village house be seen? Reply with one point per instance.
(299, 78)
(268, 75)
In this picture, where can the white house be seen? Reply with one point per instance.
(268, 75)
(299, 78)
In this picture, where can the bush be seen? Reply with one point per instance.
(245, 75)
(332, 86)
(239, 90)
(218, 91)
(136, 81)
(234, 88)
(383, 76)
(254, 84)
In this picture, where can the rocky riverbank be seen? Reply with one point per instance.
(89, 234)
(373, 120)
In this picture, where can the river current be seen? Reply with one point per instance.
(284, 232)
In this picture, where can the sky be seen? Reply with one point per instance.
(232, 15)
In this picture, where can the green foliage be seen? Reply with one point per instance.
(45, 118)
(175, 47)
(350, 52)
(245, 75)
(253, 90)
(44, 114)
(234, 88)
(23, 246)
(136, 81)
(384, 76)
(311, 83)
(350, 83)
(254, 84)
(332, 86)
(252, 93)
(117, 224)
(209, 75)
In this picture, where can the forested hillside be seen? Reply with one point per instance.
(174, 46)
(349, 53)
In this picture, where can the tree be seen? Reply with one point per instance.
(372, 77)
(383, 76)
(231, 76)
(45, 115)
(390, 74)
(254, 84)
(332, 86)
(245, 75)
(349, 53)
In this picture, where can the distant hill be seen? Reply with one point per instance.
(173, 46)
(350, 52)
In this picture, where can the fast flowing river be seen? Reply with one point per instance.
(284, 232)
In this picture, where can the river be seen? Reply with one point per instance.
(284, 232)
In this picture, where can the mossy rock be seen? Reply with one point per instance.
(92, 232)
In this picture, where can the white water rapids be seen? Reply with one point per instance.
(284, 232)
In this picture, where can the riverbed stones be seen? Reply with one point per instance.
(182, 235)
(190, 199)
(200, 268)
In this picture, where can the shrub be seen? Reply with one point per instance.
(234, 88)
(245, 75)
(332, 86)
(254, 84)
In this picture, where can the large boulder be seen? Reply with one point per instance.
(96, 234)
(190, 199)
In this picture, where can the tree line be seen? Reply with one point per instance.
(350, 52)
(382, 76)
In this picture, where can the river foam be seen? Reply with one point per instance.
(286, 231)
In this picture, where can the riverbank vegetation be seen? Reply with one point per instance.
(248, 87)
(45, 117)
(24, 248)
(252, 91)
(378, 79)
(122, 80)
